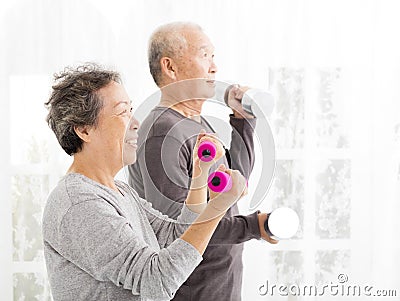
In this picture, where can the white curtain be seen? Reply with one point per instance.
(334, 70)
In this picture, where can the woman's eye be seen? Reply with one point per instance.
(130, 110)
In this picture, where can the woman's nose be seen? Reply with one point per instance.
(134, 123)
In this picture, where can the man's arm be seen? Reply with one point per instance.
(242, 145)
(166, 185)
(243, 125)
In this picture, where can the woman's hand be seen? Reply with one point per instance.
(201, 167)
(222, 201)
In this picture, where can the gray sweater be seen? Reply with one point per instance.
(104, 245)
(162, 175)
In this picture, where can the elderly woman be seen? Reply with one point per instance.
(101, 241)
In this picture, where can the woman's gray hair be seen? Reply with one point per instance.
(167, 41)
(74, 102)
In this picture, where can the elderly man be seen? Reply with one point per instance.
(101, 240)
(181, 63)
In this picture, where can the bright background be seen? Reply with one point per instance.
(334, 70)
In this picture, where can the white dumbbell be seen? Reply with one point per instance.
(257, 102)
(282, 223)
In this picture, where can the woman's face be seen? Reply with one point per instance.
(115, 136)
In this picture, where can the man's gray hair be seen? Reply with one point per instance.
(167, 40)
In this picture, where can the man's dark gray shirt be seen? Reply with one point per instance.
(162, 175)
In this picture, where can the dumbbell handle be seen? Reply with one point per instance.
(219, 181)
(207, 151)
(266, 226)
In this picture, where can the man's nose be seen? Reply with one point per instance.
(213, 67)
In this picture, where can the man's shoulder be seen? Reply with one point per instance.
(166, 123)
(158, 122)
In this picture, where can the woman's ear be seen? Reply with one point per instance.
(168, 67)
(83, 132)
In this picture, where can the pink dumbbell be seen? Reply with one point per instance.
(219, 181)
(207, 151)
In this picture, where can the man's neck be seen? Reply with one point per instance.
(188, 108)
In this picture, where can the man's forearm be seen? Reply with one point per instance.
(236, 229)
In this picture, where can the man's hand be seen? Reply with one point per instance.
(234, 101)
(262, 217)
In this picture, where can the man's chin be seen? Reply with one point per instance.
(209, 92)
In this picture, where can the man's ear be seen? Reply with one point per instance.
(83, 132)
(168, 67)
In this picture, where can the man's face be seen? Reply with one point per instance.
(116, 132)
(196, 67)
